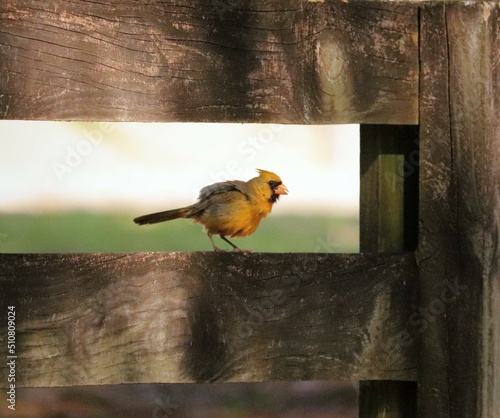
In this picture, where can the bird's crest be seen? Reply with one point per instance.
(267, 174)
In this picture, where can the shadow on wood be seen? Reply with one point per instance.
(205, 317)
(209, 61)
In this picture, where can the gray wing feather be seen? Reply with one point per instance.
(221, 187)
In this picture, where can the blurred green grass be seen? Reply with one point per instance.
(98, 232)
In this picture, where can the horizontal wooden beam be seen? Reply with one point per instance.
(287, 61)
(201, 317)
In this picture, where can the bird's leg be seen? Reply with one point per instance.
(235, 248)
(213, 243)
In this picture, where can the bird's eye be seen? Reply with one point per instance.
(273, 184)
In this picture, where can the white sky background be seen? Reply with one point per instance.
(139, 167)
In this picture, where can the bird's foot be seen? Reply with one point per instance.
(239, 250)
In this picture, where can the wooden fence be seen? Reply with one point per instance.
(421, 304)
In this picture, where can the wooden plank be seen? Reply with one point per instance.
(388, 188)
(459, 364)
(209, 61)
(387, 399)
(388, 223)
(203, 317)
(438, 244)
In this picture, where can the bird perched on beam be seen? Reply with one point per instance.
(229, 208)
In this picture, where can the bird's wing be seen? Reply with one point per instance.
(223, 187)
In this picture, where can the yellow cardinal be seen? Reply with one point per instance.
(230, 208)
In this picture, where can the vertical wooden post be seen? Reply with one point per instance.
(459, 249)
(388, 223)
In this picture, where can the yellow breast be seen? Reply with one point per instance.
(238, 219)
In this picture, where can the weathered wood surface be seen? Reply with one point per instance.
(459, 365)
(289, 61)
(388, 188)
(204, 317)
(388, 223)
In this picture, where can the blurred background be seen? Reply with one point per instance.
(75, 187)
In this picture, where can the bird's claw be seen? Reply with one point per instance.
(239, 250)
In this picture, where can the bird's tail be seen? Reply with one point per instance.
(167, 215)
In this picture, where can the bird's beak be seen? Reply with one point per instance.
(281, 189)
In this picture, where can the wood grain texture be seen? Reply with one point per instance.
(388, 188)
(289, 61)
(205, 317)
(388, 223)
(459, 366)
